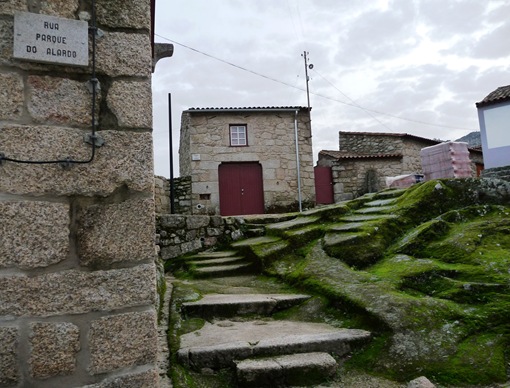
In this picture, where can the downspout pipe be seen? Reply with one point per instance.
(297, 160)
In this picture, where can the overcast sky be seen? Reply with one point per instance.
(397, 66)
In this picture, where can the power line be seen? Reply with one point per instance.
(313, 93)
(354, 102)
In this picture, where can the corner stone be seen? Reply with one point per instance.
(122, 54)
(124, 13)
(124, 101)
(25, 240)
(117, 232)
(53, 349)
(9, 373)
(123, 340)
(77, 292)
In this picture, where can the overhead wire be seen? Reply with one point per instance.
(352, 101)
(313, 93)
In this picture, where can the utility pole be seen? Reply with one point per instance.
(172, 189)
(307, 66)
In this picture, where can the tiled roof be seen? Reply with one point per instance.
(345, 155)
(501, 94)
(249, 108)
(395, 135)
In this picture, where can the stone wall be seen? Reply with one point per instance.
(179, 234)
(271, 142)
(355, 177)
(77, 272)
(502, 173)
(369, 143)
(182, 195)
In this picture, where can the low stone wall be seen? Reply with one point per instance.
(497, 172)
(181, 234)
(182, 195)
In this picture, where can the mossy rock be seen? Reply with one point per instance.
(433, 285)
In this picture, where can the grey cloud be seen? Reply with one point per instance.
(494, 44)
(446, 18)
(377, 35)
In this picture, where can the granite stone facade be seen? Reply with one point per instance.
(77, 241)
(365, 159)
(205, 145)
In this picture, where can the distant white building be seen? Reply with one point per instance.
(494, 118)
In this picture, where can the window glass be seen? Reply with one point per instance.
(238, 135)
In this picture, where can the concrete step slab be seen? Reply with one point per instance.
(346, 227)
(304, 369)
(219, 261)
(382, 202)
(374, 209)
(223, 270)
(229, 305)
(263, 219)
(392, 193)
(255, 241)
(292, 224)
(206, 255)
(217, 344)
(367, 217)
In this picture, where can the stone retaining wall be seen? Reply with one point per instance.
(77, 270)
(182, 195)
(180, 234)
(502, 173)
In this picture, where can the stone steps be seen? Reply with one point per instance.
(239, 331)
(366, 217)
(289, 370)
(374, 209)
(207, 255)
(223, 270)
(218, 264)
(216, 345)
(229, 305)
(219, 261)
(382, 202)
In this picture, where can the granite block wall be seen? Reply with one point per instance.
(181, 234)
(77, 271)
(182, 195)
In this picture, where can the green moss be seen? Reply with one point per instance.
(160, 287)
(480, 359)
(184, 378)
(368, 358)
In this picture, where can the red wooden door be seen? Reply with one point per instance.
(241, 189)
(323, 185)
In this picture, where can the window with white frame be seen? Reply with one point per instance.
(238, 135)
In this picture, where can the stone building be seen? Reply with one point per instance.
(243, 160)
(77, 270)
(365, 159)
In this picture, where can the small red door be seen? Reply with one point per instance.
(241, 189)
(323, 185)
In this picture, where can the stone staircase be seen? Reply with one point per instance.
(238, 329)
